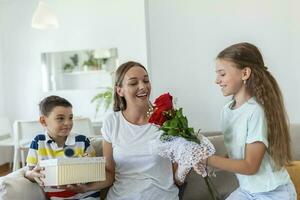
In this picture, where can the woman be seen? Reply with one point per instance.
(136, 172)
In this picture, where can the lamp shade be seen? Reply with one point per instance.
(44, 18)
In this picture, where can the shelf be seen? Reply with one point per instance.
(84, 72)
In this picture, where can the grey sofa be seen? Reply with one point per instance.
(15, 187)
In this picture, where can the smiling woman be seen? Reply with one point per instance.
(133, 168)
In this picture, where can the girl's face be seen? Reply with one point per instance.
(135, 87)
(229, 77)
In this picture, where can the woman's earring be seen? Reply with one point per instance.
(150, 110)
(245, 81)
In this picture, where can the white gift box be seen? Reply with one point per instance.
(65, 171)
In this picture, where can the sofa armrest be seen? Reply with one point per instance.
(218, 142)
(294, 172)
(16, 186)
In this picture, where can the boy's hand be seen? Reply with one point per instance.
(86, 155)
(79, 188)
(35, 174)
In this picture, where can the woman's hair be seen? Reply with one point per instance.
(120, 102)
(262, 85)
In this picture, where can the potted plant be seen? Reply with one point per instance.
(92, 63)
(104, 98)
(68, 67)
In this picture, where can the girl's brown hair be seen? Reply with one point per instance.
(120, 102)
(262, 85)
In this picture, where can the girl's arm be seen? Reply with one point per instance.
(254, 154)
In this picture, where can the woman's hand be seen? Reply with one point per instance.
(175, 174)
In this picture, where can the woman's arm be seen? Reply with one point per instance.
(254, 154)
(175, 177)
(110, 173)
(109, 165)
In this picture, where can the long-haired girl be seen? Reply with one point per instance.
(255, 126)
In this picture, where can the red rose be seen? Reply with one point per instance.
(162, 104)
(164, 101)
(157, 117)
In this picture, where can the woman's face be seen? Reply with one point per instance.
(135, 87)
(229, 77)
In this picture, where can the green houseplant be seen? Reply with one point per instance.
(69, 67)
(104, 98)
(92, 63)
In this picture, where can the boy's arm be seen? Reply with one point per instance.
(33, 171)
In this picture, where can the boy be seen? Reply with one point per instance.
(57, 118)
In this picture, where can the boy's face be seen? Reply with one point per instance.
(59, 122)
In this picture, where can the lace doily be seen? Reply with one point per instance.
(186, 153)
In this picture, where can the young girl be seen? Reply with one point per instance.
(255, 126)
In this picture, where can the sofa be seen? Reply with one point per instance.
(15, 187)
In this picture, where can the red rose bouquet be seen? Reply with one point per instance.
(179, 142)
(171, 121)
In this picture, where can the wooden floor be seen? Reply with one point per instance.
(4, 169)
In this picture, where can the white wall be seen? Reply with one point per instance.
(2, 112)
(186, 36)
(83, 25)
(6, 152)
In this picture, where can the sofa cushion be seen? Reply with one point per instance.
(295, 139)
(218, 142)
(294, 172)
(15, 186)
(97, 145)
(224, 182)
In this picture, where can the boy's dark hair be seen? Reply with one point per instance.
(50, 102)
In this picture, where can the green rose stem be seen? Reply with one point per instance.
(212, 190)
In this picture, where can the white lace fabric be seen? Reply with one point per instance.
(186, 154)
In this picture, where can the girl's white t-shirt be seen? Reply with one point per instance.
(140, 174)
(245, 125)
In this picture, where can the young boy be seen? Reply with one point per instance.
(57, 118)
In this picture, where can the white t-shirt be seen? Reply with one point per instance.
(245, 125)
(140, 174)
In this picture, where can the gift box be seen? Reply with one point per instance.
(64, 171)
